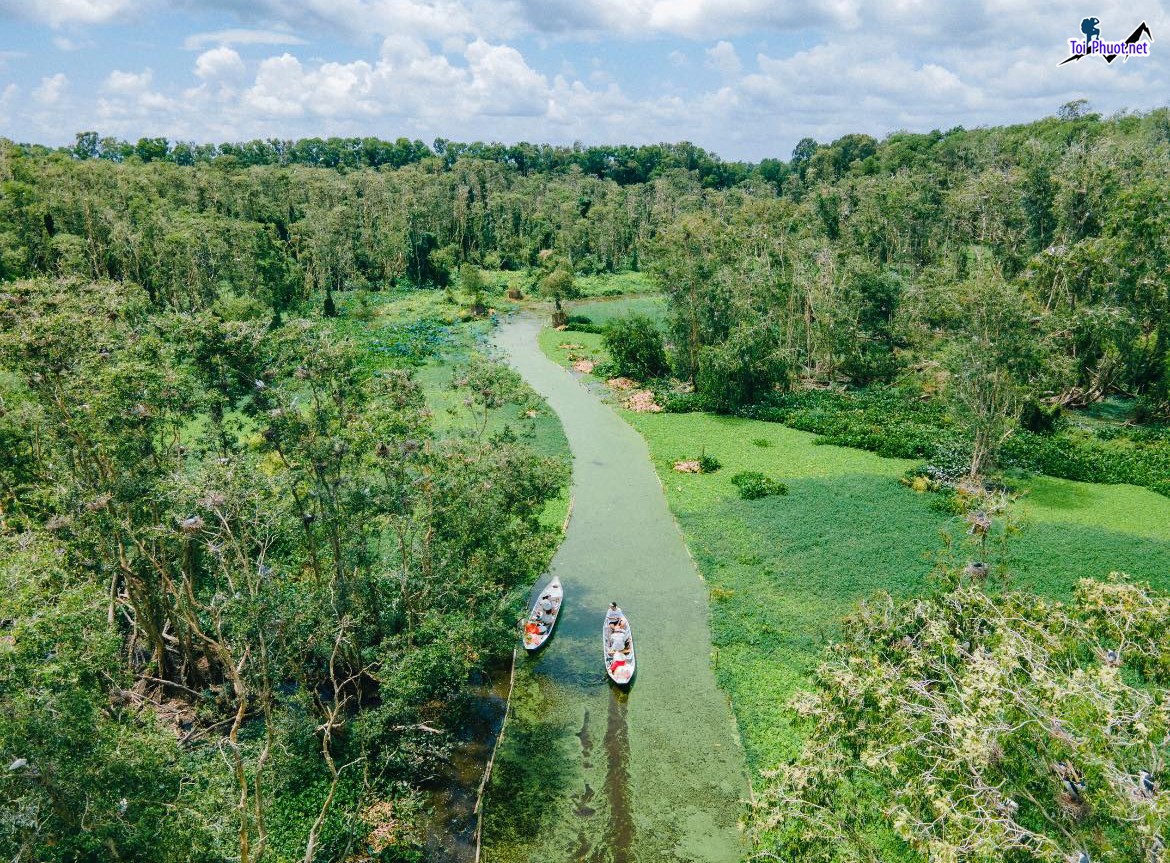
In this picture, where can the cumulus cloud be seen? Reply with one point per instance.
(128, 82)
(130, 102)
(50, 89)
(724, 58)
(503, 83)
(407, 80)
(219, 64)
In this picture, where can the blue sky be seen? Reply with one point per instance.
(744, 78)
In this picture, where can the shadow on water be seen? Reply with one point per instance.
(522, 805)
(617, 779)
(451, 820)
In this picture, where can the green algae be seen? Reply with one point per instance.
(586, 772)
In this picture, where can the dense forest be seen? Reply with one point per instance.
(246, 582)
(846, 263)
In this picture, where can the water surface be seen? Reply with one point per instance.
(586, 772)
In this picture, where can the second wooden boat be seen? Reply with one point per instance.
(542, 618)
(619, 659)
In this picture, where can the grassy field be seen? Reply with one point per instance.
(615, 284)
(563, 347)
(782, 571)
(603, 285)
(603, 311)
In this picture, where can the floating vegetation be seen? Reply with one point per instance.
(415, 342)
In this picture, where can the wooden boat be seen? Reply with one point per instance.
(619, 666)
(539, 625)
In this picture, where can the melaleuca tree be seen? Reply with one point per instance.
(634, 344)
(277, 543)
(89, 771)
(998, 353)
(970, 726)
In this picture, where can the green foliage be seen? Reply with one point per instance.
(634, 344)
(472, 282)
(1038, 417)
(558, 285)
(753, 485)
(741, 371)
(866, 333)
(238, 531)
(88, 772)
(892, 423)
(1030, 738)
(583, 324)
(682, 403)
(708, 463)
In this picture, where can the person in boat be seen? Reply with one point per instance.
(619, 641)
(546, 606)
(614, 614)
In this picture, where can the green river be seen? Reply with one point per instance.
(586, 772)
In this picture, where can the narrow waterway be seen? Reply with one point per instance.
(585, 772)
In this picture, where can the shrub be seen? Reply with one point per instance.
(1038, 417)
(709, 464)
(893, 423)
(1034, 760)
(559, 285)
(682, 403)
(583, 324)
(741, 370)
(753, 485)
(634, 343)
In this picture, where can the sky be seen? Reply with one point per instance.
(745, 79)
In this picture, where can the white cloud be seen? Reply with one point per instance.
(723, 58)
(219, 64)
(695, 19)
(57, 13)
(7, 98)
(131, 105)
(64, 43)
(128, 82)
(503, 84)
(199, 41)
(50, 89)
(407, 80)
